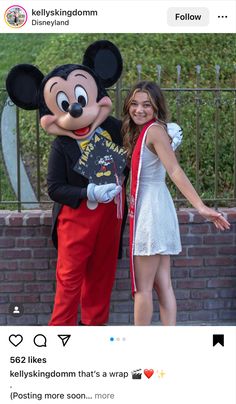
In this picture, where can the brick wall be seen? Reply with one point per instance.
(203, 274)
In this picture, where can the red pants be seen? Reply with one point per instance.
(88, 243)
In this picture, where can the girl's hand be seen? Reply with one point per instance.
(217, 218)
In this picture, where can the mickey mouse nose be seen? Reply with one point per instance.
(75, 110)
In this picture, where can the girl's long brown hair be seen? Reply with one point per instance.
(129, 130)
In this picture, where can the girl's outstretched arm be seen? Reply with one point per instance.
(158, 138)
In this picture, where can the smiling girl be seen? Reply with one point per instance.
(154, 229)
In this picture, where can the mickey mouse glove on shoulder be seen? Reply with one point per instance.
(103, 193)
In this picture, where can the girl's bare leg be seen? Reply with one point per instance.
(145, 271)
(163, 287)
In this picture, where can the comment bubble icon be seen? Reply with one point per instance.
(40, 341)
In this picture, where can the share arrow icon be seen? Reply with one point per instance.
(64, 338)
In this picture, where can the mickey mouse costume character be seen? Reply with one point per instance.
(73, 104)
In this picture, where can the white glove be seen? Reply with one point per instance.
(102, 193)
(176, 133)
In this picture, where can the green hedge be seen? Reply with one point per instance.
(150, 50)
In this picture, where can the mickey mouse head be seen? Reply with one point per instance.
(71, 99)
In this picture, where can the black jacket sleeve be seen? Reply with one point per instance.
(59, 188)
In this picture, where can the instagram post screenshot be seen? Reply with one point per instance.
(118, 201)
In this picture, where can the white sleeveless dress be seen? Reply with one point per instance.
(157, 228)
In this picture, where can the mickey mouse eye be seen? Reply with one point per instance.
(81, 96)
(62, 101)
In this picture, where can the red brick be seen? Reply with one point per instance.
(20, 243)
(47, 298)
(37, 308)
(19, 276)
(182, 294)
(44, 253)
(180, 273)
(201, 251)
(16, 253)
(45, 276)
(50, 243)
(182, 317)
(155, 319)
(4, 308)
(191, 284)
(8, 265)
(46, 218)
(123, 264)
(122, 307)
(16, 219)
(191, 240)
(121, 295)
(218, 261)
(205, 294)
(218, 239)
(36, 242)
(228, 315)
(204, 273)
(33, 264)
(122, 274)
(13, 231)
(189, 305)
(26, 319)
(188, 262)
(125, 240)
(3, 320)
(228, 293)
(53, 264)
(7, 242)
(200, 229)
(229, 250)
(221, 283)
(32, 220)
(38, 287)
(30, 232)
(231, 217)
(43, 319)
(119, 318)
(11, 287)
(183, 253)
(229, 272)
(24, 298)
(123, 285)
(184, 229)
(214, 304)
(205, 315)
(4, 299)
(45, 231)
(183, 216)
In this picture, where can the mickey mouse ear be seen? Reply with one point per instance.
(22, 85)
(105, 59)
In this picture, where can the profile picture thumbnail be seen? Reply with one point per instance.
(15, 16)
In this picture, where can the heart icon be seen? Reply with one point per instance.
(148, 373)
(15, 339)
